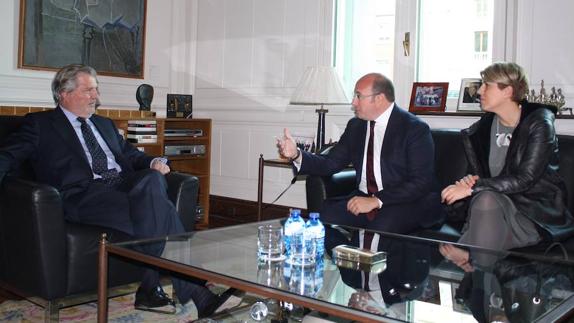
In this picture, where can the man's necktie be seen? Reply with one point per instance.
(371, 182)
(99, 159)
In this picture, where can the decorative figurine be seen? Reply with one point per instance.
(556, 98)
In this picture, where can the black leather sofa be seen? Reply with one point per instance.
(450, 165)
(52, 262)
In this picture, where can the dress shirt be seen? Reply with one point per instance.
(77, 128)
(380, 129)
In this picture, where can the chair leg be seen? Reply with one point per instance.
(52, 312)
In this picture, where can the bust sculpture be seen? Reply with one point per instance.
(144, 96)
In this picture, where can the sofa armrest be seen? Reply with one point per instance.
(183, 191)
(318, 188)
(33, 237)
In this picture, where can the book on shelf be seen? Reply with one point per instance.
(142, 129)
(142, 133)
(138, 136)
(142, 123)
(142, 141)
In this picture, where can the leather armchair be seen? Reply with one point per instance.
(54, 263)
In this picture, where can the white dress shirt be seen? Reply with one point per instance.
(380, 128)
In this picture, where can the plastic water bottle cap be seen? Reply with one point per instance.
(295, 212)
(314, 215)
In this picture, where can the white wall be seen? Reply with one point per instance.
(250, 56)
(545, 44)
(242, 59)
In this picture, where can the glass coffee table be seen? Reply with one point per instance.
(414, 284)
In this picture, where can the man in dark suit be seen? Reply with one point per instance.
(392, 152)
(102, 179)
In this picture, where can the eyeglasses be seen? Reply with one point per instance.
(359, 96)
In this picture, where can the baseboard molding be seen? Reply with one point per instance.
(226, 211)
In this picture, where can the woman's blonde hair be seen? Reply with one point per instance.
(507, 74)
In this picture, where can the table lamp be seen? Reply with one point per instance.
(319, 85)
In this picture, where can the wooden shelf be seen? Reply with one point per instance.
(473, 114)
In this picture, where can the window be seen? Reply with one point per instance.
(481, 41)
(449, 46)
(450, 40)
(481, 8)
(364, 41)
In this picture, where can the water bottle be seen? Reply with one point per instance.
(317, 230)
(293, 230)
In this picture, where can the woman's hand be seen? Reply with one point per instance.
(469, 180)
(455, 192)
(458, 256)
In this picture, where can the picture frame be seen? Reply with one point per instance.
(468, 98)
(179, 106)
(428, 96)
(107, 35)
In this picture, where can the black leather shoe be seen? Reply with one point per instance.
(464, 289)
(217, 301)
(154, 300)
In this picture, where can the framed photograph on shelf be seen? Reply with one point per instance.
(428, 96)
(468, 98)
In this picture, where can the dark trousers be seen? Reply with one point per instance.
(139, 206)
(397, 218)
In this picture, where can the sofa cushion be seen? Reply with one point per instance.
(83, 243)
(450, 160)
(9, 124)
(566, 146)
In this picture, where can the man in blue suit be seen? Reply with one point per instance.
(392, 152)
(102, 179)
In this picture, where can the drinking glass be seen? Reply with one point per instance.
(270, 243)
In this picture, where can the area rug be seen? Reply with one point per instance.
(121, 309)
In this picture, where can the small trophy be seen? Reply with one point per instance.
(555, 98)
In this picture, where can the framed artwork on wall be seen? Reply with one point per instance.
(105, 34)
(468, 98)
(428, 96)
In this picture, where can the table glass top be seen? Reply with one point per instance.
(417, 284)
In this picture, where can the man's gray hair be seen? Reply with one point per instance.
(65, 79)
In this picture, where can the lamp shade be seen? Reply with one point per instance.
(319, 85)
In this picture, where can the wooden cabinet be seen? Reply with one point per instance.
(198, 164)
(191, 162)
